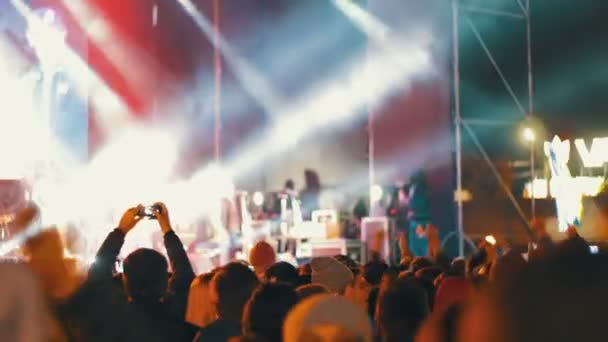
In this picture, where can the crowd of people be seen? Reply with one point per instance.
(554, 293)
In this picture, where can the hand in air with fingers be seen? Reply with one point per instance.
(130, 218)
(162, 216)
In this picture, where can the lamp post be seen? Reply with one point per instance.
(530, 137)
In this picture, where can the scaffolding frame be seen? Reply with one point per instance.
(461, 124)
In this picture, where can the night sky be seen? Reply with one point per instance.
(570, 51)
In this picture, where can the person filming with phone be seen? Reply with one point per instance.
(153, 300)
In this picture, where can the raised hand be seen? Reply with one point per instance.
(130, 218)
(162, 216)
(434, 240)
(25, 217)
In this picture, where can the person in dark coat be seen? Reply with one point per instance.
(144, 303)
(419, 215)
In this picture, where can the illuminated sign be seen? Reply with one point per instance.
(567, 190)
(597, 156)
(594, 156)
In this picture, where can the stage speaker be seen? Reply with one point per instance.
(375, 235)
(309, 230)
(309, 249)
(329, 218)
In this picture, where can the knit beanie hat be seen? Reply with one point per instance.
(331, 273)
(325, 315)
(262, 255)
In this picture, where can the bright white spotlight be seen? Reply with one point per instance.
(52, 49)
(529, 135)
(134, 167)
(44, 33)
(368, 23)
(258, 199)
(216, 180)
(376, 193)
(63, 88)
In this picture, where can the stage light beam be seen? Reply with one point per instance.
(366, 22)
(253, 82)
(367, 81)
(85, 78)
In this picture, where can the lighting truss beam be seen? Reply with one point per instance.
(495, 12)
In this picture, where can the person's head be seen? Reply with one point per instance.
(199, 311)
(266, 310)
(457, 268)
(145, 275)
(311, 178)
(327, 318)
(373, 272)
(331, 273)
(261, 257)
(429, 273)
(283, 272)
(419, 263)
(309, 290)
(556, 299)
(402, 307)
(290, 185)
(443, 260)
(507, 265)
(231, 287)
(572, 246)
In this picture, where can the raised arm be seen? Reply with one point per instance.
(183, 275)
(107, 254)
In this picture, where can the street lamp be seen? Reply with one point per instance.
(529, 136)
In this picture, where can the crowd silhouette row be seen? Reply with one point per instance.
(554, 293)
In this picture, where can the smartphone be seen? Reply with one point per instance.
(148, 212)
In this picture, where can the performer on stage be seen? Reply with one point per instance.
(419, 215)
(310, 196)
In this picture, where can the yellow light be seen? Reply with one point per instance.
(529, 135)
(491, 240)
(376, 193)
(258, 199)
